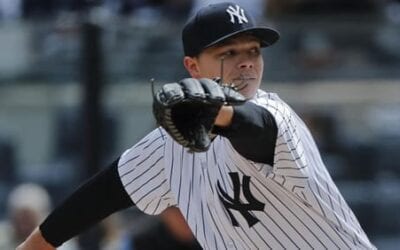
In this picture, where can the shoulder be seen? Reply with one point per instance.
(264, 97)
(153, 141)
(271, 101)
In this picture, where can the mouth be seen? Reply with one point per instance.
(242, 82)
(244, 79)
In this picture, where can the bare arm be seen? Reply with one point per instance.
(224, 117)
(35, 241)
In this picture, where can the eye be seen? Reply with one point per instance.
(255, 51)
(228, 53)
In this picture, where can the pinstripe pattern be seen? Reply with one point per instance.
(303, 207)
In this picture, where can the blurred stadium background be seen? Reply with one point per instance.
(75, 93)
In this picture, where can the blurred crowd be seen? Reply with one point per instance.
(369, 24)
(28, 204)
(178, 9)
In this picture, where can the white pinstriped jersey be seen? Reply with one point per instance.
(230, 202)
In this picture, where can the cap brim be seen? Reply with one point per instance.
(267, 36)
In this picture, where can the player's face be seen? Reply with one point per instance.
(242, 63)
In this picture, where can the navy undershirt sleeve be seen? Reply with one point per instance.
(252, 133)
(96, 199)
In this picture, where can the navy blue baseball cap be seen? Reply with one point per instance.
(217, 22)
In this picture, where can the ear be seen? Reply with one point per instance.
(192, 66)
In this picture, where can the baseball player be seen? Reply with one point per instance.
(237, 161)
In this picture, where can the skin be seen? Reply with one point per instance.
(24, 220)
(242, 65)
(35, 241)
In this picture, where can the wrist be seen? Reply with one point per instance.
(224, 117)
(35, 241)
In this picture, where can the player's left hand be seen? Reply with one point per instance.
(187, 109)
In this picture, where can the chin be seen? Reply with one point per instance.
(248, 93)
(250, 90)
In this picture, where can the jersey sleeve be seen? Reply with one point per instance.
(252, 133)
(290, 167)
(97, 198)
(142, 173)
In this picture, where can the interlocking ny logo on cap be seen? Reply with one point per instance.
(238, 13)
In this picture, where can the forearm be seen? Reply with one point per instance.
(99, 197)
(251, 129)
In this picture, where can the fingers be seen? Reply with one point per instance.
(193, 89)
(203, 90)
(213, 91)
(232, 97)
(170, 94)
(219, 94)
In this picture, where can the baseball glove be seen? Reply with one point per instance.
(187, 109)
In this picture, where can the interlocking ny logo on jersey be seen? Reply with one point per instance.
(238, 13)
(234, 202)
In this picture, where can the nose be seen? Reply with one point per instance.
(245, 63)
